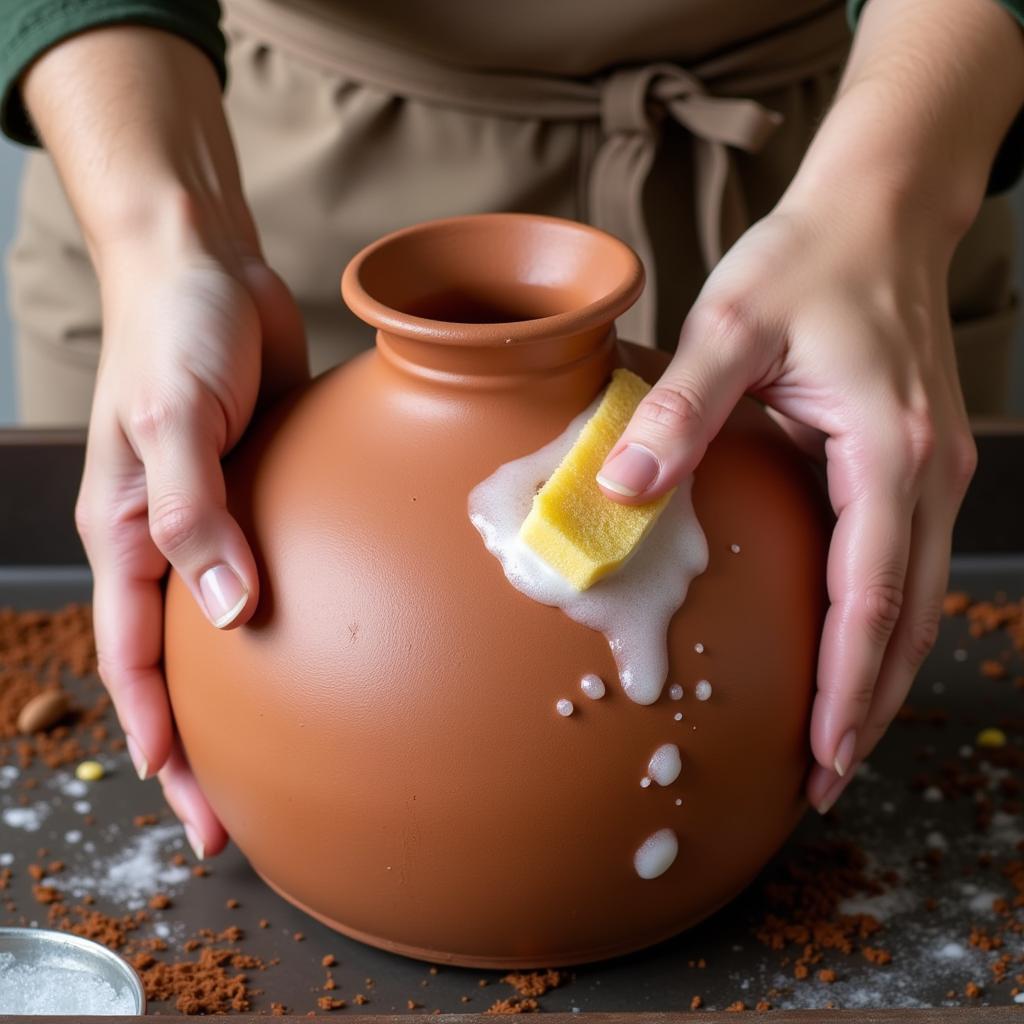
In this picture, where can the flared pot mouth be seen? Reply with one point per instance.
(492, 279)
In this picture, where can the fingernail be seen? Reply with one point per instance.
(224, 595)
(194, 841)
(832, 794)
(138, 758)
(630, 472)
(844, 752)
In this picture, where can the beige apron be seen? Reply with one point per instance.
(351, 122)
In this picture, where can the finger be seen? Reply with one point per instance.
(720, 355)
(206, 835)
(284, 356)
(874, 493)
(188, 517)
(915, 633)
(127, 572)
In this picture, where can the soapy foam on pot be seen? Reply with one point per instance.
(656, 854)
(665, 764)
(593, 686)
(633, 606)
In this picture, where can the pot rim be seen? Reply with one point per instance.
(603, 310)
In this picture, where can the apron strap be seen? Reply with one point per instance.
(634, 103)
(630, 104)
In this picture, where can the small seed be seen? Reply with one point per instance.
(44, 710)
(89, 771)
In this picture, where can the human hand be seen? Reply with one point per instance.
(185, 341)
(852, 344)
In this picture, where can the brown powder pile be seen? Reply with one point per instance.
(514, 1004)
(534, 983)
(214, 982)
(37, 649)
(803, 908)
(985, 617)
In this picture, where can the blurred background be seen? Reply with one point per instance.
(11, 157)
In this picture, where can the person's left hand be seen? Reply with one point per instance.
(835, 315)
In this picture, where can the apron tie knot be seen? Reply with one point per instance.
(634, 105)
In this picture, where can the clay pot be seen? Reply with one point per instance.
(381, 740)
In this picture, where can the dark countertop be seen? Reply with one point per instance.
(895, 811)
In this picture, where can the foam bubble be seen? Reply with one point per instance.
(564, 707)
(665, 764)
(593, 686)
(702, 691)
(631, 607)
(675, 691)
(656, 854)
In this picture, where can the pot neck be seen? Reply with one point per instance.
(505, 363)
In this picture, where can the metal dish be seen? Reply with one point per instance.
(38, 946)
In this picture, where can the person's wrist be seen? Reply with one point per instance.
(907, 184)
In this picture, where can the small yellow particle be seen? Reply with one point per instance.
(89, 771)
(991, 738)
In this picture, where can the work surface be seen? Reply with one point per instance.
(902, 897)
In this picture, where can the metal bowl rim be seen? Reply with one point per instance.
(50, 936)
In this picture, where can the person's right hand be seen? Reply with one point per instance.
(185, 340)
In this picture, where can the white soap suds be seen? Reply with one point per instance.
(565, 707)
(699, 648)
(675, 691)
(593, 686)
(656, 854)
(645, 782)
(665, 764)
(633, 606)
(678, 716)
(702, 691)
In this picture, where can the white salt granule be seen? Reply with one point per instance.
(72, 837)
(6, 859)
(138, 870)
(951, 951)
(932, 795)
(48, 988)
(936, 841)
(959, 654)
(73, 787)
(28, 818)
(564, 707)
(702, 690)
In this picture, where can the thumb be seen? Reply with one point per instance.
(668, 434)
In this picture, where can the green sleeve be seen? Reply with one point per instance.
(1009, 161)
(29, 27)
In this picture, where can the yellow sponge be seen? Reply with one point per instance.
(579, 532)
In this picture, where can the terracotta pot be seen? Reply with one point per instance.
(381, 740)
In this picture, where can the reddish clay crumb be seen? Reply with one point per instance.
(874, 955)
(329, 1003)
(199, 871)
(328, 960)
(232, 904)
(696, 1003)
(159, 901)
(800, 972)
(465, 999)
(329, 983)
(956, 602)
(535, 983)
(763, 1006)
(827, 975)
(738, 1007)
(992, 669)
(433, 970)
(264, 923)
(514, 1004)
(144, 820)
(45, 894)
(299, 937)
(972, 990)
(278, 1009)
(360, 999)
(411, 1004)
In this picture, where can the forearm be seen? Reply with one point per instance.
(133, 119)
(927, 97)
